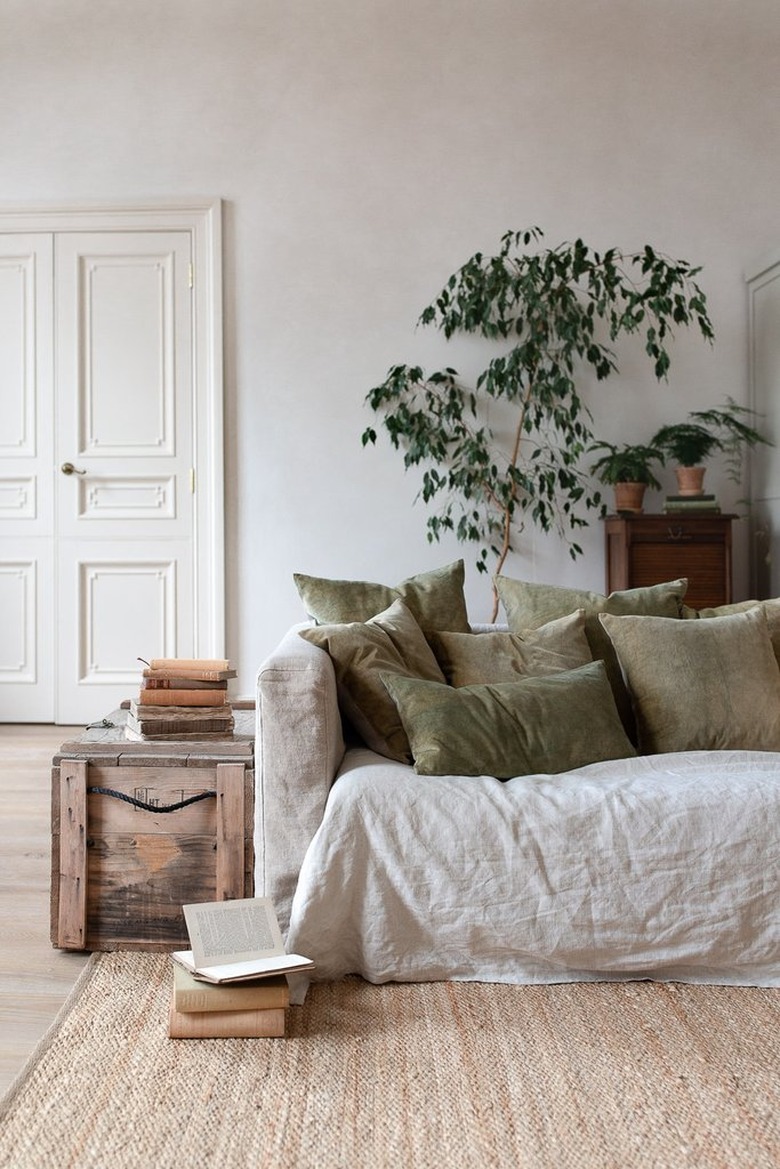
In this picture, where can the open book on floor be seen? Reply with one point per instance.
(236, 940)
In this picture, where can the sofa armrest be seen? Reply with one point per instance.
(299, 746)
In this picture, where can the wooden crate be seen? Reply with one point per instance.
(121, 872)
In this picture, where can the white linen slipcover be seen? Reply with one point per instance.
(663, 867)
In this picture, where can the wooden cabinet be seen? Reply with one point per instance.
(650, 549)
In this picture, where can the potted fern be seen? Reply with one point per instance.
(707, 432)
(629, 469)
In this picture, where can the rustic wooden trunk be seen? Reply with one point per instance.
(120, 872)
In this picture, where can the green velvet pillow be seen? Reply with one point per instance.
(388, 644)
(539, 725)
(435, 599)
(469, 659)
(770, 607)
(700, 685)
(528, 605)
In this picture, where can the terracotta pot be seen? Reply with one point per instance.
(690, 480)
(630, 497)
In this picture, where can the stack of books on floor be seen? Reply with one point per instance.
(232, 984)
(687, 503)
(182, 698)
(205, 1010)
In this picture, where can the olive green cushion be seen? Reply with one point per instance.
(528, 605)
(468, 659)
(700, 685)
(538, 725)
(390, 643)
(435, 599)
(770, 607)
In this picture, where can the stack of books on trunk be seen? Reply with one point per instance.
(685, 503)
(182, 698)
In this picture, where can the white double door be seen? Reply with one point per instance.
(99, 528)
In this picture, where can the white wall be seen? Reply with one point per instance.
(365, 148)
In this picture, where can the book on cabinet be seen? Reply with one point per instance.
(174, 722)
(196, 673)
(212, 664)
(180, 697)
(180, 682)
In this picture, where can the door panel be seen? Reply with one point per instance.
(114, 497)
(18, 596)
(119, 602)
(26, 514)
(26, 630)
(124, 422)
(125, 315)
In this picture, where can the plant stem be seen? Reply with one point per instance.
(506, 508)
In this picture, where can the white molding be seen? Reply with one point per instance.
(144, 215)
(25, 574)
(209, 422)
(763, 272)
(764, 512)
(762, 266)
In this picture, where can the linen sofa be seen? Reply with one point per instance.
(589, 791)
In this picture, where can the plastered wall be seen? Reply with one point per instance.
(364, 149)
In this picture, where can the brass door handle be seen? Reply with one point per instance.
(69, 469)
(679, 535)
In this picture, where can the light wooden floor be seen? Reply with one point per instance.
(34, 977)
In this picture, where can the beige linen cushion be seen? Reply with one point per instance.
(538, 725)
(468, 659)
(435, 599)
(700, 685)
(390, 643)
(771, 609)
(528, 605)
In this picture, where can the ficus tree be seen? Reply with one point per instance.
(552, 313)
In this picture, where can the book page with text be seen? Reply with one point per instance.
(224, 932)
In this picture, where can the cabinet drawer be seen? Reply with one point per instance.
(668, 530)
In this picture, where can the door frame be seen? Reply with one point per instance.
(202, 218)
(761, 272)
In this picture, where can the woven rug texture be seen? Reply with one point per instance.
(414, 1076)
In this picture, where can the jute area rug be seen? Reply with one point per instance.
(433, 1076)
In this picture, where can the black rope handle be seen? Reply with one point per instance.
(107, 791)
